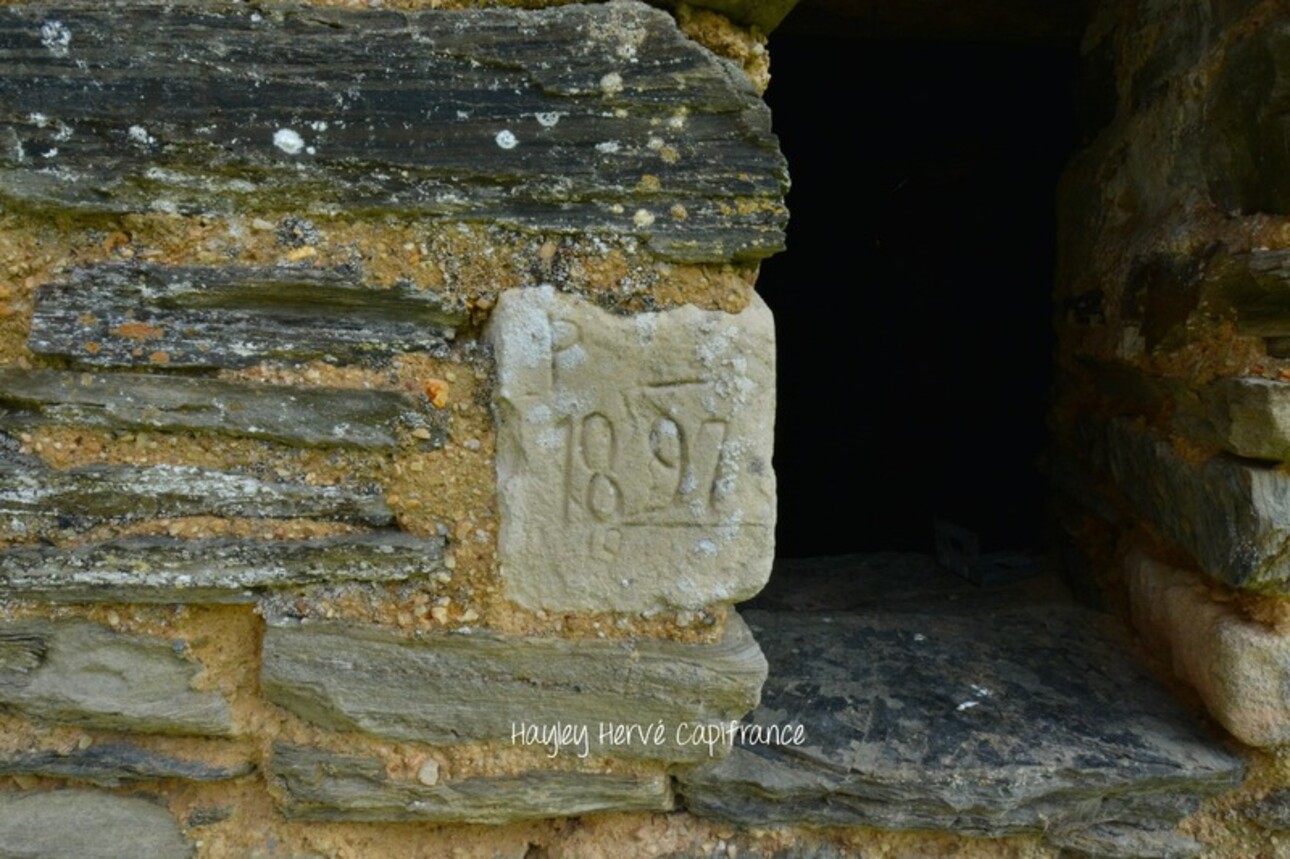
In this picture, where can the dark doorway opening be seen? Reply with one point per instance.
(915, 336)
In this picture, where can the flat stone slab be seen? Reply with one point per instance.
(1233, 518)
(85, 674)
(584, 119)
(545, 693)
(634, 453)
(113, 764)
(1023, 720)
(215, 570)
(297, 415)
(39, 501)
(87, 824)
(118, 315)
(322, 785)
(1240, 668)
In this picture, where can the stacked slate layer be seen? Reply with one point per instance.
(1172, 412)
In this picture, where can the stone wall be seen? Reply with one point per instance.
(1171, 437)
(380, 391)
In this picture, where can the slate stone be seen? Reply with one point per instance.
(584, 119)
(290, 414)
(1246, 133)
(322, 785)
(119, 315)
(1232, 517)
(1239, 667)
(1251, 417)
(1254, 288)
(86, 824)
(214, 570)
(84, 674)
(1019, 721)
(1271, 811)
(633, 453)
(453, 688)
(38, 501)
(113, 764)
(1124, 841)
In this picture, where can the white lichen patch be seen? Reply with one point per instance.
(547, 119)
(506, 139)
(643, 218)
(611, 83)
(56, 38)
(289, 141)
(138, 134)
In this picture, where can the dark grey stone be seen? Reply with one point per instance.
(113, 764)
(121, 315)
(447, 689)
(1272, 811)
(38, 501)
(215, 570)
(86, 824)
(1246, 136)
(323, 785)
(85, 674)
(1018, 721)
(544, 120)
(1229, 515)
(289, 414)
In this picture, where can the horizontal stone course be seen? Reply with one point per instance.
(118, 315)
(87, 824)
(1232, 517)
(213, 570)
(80, 673)
(290, 414)
(322, 785)
(38, 501)
(584, 119)
(111, 764)
(453, 688)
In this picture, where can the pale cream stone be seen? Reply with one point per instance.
(633, 453)
(1240, 668)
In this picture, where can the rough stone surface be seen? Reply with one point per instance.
(290, 414)
(634, 453)
(590, 118)
(1247, 130)
(85, 674)
(1013, 721)
(322, 785)
(1251, 416)
(1233, 518)
(215, 570)
(1241, 669)
(85, 824)
(1271, 811)
(129, 315)
(115, 763)
(37, 501)
(463, 687)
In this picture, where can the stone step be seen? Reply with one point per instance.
(989, 716)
